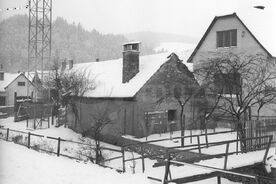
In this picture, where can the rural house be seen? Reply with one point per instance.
(228, 34)
(11, 83)
(138, 93)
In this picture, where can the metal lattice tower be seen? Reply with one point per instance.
(39, 38)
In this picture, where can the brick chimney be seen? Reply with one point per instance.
(130, 60)
(70, 64)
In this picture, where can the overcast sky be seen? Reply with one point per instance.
(186, 17)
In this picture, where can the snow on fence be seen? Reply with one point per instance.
(60, 147)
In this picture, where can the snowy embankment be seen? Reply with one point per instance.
(20, 165)
(131, 166)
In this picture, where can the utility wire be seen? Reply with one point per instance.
(15, 8)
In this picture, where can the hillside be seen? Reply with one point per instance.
(68, 41)
(154, 39)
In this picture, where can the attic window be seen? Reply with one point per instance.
(21, 83)
(227, 38)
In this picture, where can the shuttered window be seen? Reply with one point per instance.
(227, 38)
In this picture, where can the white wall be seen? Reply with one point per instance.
(245, 42)
(21, 90)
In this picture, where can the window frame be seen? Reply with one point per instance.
(20, 83)
(226, 36)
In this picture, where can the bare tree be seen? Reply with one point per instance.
(238, 81)
(99, 118)
(68, 85)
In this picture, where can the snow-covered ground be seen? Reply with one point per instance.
(33, 160)
(20, 165)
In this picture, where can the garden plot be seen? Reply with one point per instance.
(193, 140)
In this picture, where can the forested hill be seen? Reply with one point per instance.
(68, 41)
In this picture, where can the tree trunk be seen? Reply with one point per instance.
(181, 125)
(241, 134)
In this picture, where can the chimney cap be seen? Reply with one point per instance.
(131, 43)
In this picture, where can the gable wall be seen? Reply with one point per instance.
(245, 44)
(161, 86)
(21, 90)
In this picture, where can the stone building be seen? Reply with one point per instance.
(138, 93)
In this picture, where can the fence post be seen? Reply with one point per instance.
(219, 180)
(143, 160)
(167, 168)
(29, 140)
(58, 148)
(206, 140)
(237, 143)
(7, 138)
(123, 159)
(267, 148)
(199, 147)
(226, 155)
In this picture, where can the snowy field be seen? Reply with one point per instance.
(20, 165)
(37, 163)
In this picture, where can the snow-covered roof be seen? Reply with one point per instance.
(108, 74)
(132, 42)
(8, 78)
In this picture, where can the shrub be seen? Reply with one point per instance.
(17, 139)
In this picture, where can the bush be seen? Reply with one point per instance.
(18, 139)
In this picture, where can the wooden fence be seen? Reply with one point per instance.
(255, 128)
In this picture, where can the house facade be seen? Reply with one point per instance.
(227, 35)
(141, 95)
(11, 83)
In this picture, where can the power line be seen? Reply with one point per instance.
(15, 8)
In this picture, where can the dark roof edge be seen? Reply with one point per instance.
(211, 25)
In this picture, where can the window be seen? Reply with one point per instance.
(2, 101)
(227, 38)
(1, 76)
(171, 115)
(21, 83)
(230, 83)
